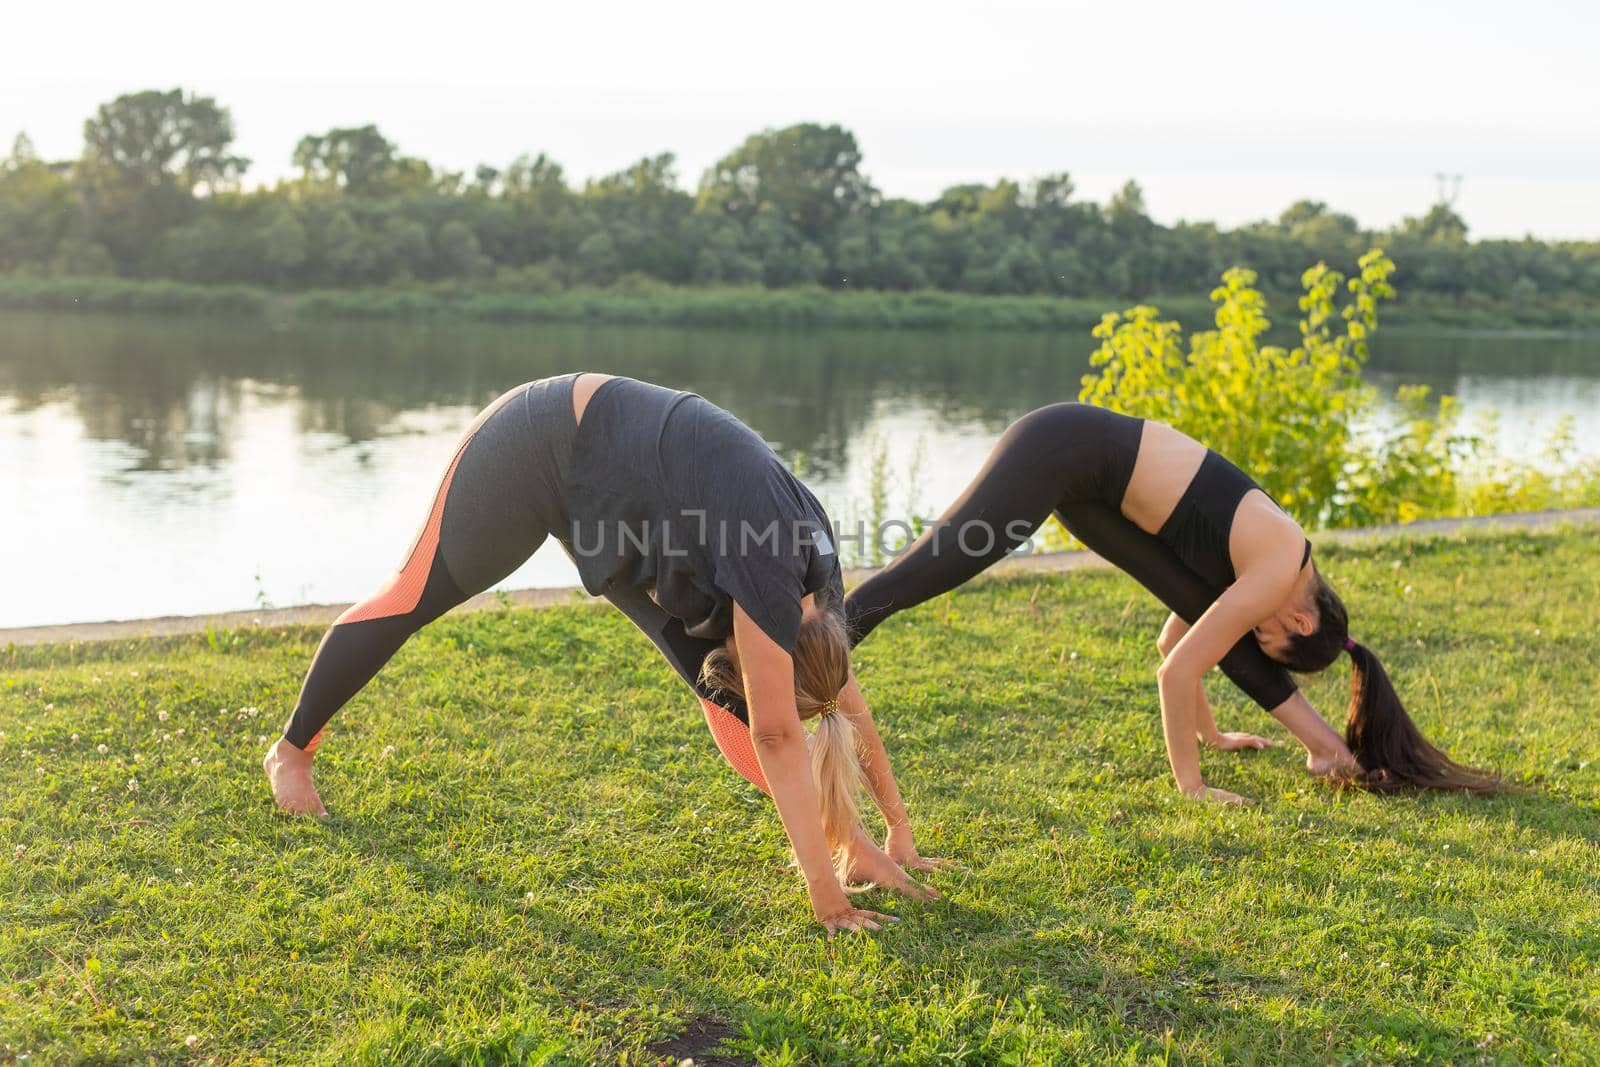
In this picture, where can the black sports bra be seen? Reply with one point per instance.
(1198, 528)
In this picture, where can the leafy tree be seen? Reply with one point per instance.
(357, 159)
(1126, 207)
(153, 138)
(643, 210)
(459, 254)
(283, 245)
(346, 254)
(36, 202)
(1440, 225)
(597, 259)
(810, 174)
(145, 154)
(152, 196)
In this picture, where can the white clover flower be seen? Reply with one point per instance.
(133, 785)
(194, 761)
(179, 732)
(192, 1040)
(162, 715)
(102, 749)
(166, 737)
(49, 707)
(74, 738)
(388, 750)
(20, 849)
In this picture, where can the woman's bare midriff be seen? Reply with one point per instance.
(583, 387)
(1168, 461)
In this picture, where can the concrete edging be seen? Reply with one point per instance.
(1044, 562)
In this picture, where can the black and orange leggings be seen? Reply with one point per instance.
(501, 497)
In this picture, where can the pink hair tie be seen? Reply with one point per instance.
(1349, 645)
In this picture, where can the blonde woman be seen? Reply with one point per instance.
(682, 517)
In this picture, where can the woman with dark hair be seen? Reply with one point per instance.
(1233, 567)
(682, 517)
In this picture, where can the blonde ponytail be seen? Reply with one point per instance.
(836, 772)
(821, 671)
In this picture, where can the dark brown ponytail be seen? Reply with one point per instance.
(1390, 750)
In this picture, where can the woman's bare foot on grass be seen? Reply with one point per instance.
(289, 770)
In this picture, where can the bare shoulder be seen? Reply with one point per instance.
(1265, 538)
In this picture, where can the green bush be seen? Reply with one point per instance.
(1297, 419)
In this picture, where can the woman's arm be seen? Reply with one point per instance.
(780, 747)
(1256, 594)
(1205, 725)
(901, 845)
(874, 758)
(1326, 751)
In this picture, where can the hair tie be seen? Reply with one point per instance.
(1349, 644)
(829, 707)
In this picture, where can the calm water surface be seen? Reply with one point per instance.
(153, 466)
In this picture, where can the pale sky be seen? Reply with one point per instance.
(1225, 112)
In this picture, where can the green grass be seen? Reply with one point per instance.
(552, 864)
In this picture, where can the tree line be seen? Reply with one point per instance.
(158, 193)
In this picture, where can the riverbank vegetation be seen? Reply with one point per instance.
(536, 855)
(774, 228)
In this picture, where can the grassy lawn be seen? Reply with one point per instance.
(537, 856)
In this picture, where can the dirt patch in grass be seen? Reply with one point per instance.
(700, 1043)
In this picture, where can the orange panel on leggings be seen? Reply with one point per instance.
(733, 738)
(400, 594)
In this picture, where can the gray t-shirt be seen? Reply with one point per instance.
(671, 495)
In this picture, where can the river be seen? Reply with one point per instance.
(155, 466)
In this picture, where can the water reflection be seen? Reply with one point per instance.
(154, 466)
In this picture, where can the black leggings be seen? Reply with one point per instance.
(1074, 460)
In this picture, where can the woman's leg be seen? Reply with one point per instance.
(484, 523)
(1032, 467)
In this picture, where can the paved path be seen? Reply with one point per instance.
(1045, 562)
